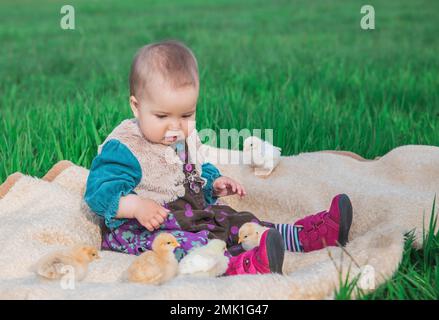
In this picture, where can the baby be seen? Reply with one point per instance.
(140, 188)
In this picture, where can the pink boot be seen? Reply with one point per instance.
(327, 227)
(267, 258)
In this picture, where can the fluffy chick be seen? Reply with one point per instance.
(250, 235)
(56, 264)
(205, 261)
(158, 265)
(261, 155)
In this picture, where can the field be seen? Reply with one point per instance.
(303, 68)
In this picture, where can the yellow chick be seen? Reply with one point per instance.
(74, 259)
(158, 265)
(205, 261)
(250, 235)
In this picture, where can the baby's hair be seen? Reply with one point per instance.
(170, 59)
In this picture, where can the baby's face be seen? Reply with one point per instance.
(166, 114)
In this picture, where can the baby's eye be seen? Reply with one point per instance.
(187, 116)
(160, 116)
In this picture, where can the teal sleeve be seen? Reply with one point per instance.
(210, 173)
(115, 172)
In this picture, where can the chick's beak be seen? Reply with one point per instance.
(239, 240)
(176, 244)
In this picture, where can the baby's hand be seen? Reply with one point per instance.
(150, 214)
(224, 186)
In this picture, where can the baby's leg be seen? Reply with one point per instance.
(229, 221)
(233, 221)
(223, 222)
(290, 235)
(326, 228)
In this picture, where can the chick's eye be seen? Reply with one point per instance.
(245, 237)
(169, 242)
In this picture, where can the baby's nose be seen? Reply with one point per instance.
(174, 129)
(175, 125)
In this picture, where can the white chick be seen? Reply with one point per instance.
(205, 261)
(59, 263)
(261, 155)
(250, 235)
(158, 265)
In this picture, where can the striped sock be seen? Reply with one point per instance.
(290, 234)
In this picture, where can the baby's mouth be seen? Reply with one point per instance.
(171, 138)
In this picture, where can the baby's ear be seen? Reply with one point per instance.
(134, 106)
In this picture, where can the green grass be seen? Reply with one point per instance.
(417, 276)
(303, 68)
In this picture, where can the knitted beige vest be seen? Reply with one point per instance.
(162, 169)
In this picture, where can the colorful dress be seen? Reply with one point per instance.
(194, 216)
(191, 220)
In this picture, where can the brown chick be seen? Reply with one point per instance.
(158, 265)
(53, 265)
(250, 235)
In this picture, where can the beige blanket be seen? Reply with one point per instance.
(389, 197)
